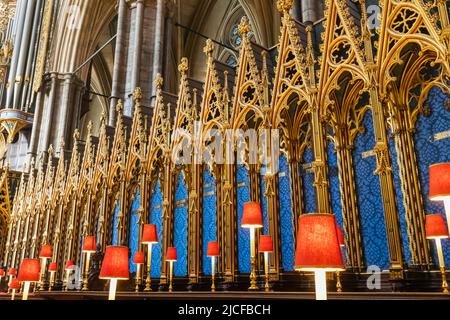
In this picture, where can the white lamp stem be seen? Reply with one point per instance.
(252, 242)
(440, 254)
(171, 276)
(447, 210)
(321, 285)
(26, 290)
(266, 262)
(13, 295)
(213, 273)
(67, 272)
(112, 289)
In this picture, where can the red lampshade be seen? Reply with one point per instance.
(139, 258)
(318, 244)
(12, 272)
(15, 285)
(341, 237)
(46, 252)
(171, 255)
(2, 272)
(115, 264)
(53, 267)
(436, 228)
(213, 249)
(150, 235)
(69, 265)
(252, 217)
(440, 181)
(29, 270)
(265, 244)
(90, 245)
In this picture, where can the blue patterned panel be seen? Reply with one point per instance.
(369, 199)
(308, 182)
(156, 219)
(180, 229)
(264, 202)
(116, 215)
(400, 203)
(243, 196)
(286, 217)
(134, 231)
(209, 218)
(430, 152)
(335, 185)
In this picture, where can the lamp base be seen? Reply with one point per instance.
(338, 282)
(444, 281)
(148, 285)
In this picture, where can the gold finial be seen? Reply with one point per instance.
(183, 68)
(76, 135)
(195, 104)
(119, 107)
(41, 158)
(169, 107)
(62, 144)
(137, 94)
(209, 48)
(51, 151)
(159, 81)
(103, 117)
(284, 6)
(32, 164)
(225, 75)
(244, 27)
(89, 128)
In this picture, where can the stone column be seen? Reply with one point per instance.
(27, 94)
(46, 131)
(32, 149)
(297, 10)
(159, 41)
(23, 53)
(118, 61)
(311, 10)
(168, 48)
(66, 104)
(18, 32)
(137, 53)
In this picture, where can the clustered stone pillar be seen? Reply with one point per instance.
(143, 34)
(28, 16)
(118, 61)
(311, 10)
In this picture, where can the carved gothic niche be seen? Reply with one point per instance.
(295, 125)
(412, 76)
